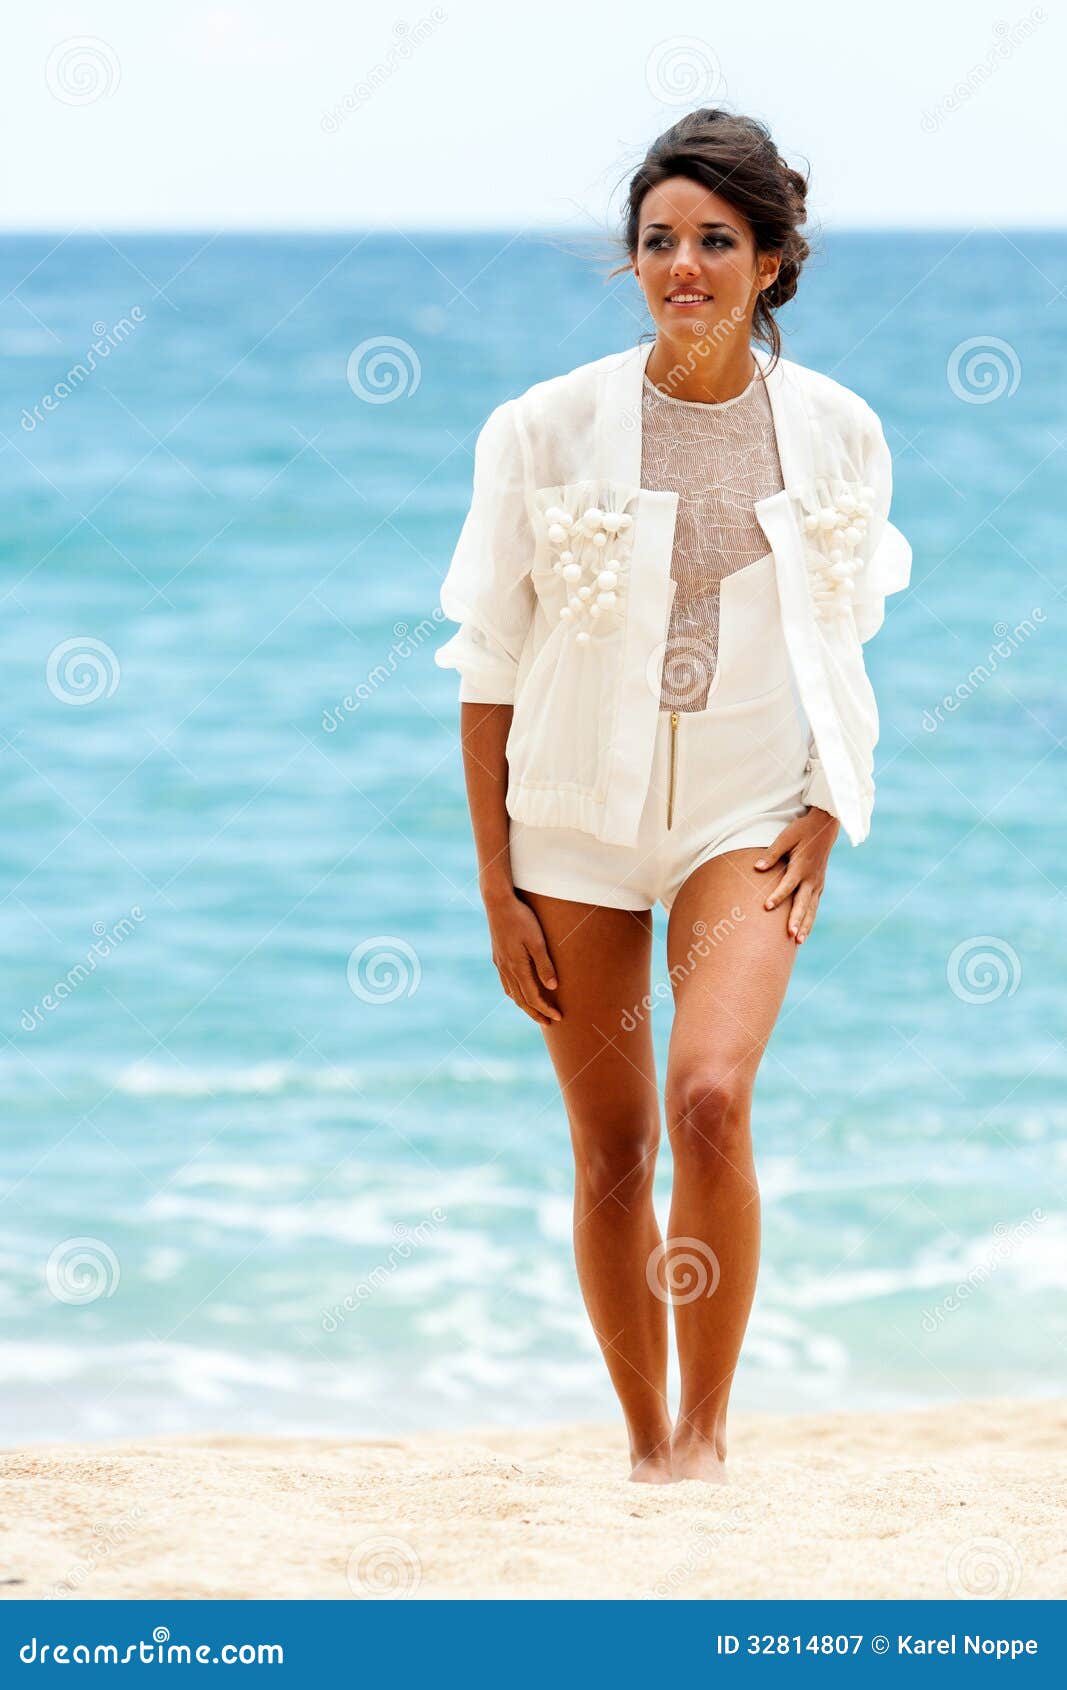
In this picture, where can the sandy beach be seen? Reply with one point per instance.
(961, 1500)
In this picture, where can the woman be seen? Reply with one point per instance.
(671, 560)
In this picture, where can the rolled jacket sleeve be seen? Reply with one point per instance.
(488, 589)
(888, 566)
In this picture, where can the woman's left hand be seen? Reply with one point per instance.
(807, 842)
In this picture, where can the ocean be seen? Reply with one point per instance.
(276, 1153)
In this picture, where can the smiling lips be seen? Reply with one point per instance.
(686, 297)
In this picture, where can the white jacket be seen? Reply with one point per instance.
(580, 656)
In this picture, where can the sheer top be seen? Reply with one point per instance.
(719, 459)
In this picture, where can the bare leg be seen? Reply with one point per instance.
(730, 972)
(603, 1056)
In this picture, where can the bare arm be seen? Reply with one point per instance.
(519, 950)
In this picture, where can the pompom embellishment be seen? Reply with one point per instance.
(834, 525)
(591, 544)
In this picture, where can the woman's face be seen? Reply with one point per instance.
(696, 262)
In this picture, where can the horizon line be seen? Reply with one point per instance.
(55, 231)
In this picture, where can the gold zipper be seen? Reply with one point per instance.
(670, 789)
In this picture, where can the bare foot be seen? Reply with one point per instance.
(654, 1468)
(695, 1456)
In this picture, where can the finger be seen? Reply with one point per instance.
(773, 852)
(518, 998)
(543, 964)
(809, 917)
(530, 987)
(789, 880)
(801, 899)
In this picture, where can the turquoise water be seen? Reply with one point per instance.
(323, 1193)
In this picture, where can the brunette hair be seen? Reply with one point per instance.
(733, 156)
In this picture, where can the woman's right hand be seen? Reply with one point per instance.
(522, 959)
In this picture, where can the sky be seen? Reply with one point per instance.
(132, 114)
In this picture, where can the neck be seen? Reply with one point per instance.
(701, 370)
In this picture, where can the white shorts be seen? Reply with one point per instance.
(739, 770)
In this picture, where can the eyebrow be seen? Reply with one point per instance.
(701, 225)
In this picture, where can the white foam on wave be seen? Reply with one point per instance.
(243, 1176)
(359, 1223)
(187, 1372)
(44, 1364)
(484, 1071)
(373, 1209)
(163, 1263)
(150, 1079)
(155, 1079)
(1029, 1252)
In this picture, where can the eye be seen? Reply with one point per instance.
(654, 241)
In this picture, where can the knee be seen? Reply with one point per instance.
(709, 1113)
(615, 1162)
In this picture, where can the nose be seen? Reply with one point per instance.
(685, 261)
